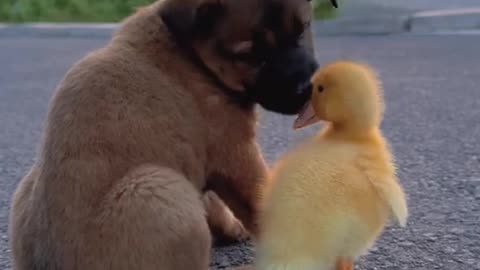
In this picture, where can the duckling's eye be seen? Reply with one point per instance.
(320, 88)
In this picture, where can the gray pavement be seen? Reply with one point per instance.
(360, 7)
(432, 87)
(394, 16)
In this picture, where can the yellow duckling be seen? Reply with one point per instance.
(331, 198)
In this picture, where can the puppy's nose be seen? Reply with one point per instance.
(304, 88)
(313, 66)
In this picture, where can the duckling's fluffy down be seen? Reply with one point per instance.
(332, 197)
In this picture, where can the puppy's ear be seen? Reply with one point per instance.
(192, 19)
(207, 17)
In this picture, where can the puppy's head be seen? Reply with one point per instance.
(257, 49)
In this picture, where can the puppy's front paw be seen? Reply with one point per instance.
(238, 231)
(224, 225)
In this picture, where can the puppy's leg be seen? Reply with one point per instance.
(241, 182)
(20, 234)
(153, 219)
(224, 225)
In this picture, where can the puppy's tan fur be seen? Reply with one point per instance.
(134, 132)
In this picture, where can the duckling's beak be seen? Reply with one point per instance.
(306, 117)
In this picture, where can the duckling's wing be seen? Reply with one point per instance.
(392, 193)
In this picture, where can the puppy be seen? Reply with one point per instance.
(138, 130)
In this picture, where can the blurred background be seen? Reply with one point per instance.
(89, 10)
(67, 10)
(354, 16)
(427, 53)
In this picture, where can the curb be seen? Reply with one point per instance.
(362, 26)
(444, 20)
(434, 21)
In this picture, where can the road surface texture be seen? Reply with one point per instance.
(432, 88)
(364, 8)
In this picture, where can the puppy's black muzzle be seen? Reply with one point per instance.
(283, 84)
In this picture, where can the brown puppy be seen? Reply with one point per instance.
(136, 132)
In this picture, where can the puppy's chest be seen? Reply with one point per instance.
(229, 128)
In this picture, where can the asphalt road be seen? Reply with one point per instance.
(432, 87)
(407, 5)
(382, 8)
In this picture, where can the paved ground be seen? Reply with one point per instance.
(365, 7)
(393, 16)
(433, 98)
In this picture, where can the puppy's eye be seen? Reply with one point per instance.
(301, 29)
(300, 37)
(243, 51)
(305, 27)
(320, 89)
(242, 47)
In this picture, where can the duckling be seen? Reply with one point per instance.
(331, 198)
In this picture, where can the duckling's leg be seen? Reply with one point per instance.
(245, 267)
(344, 264)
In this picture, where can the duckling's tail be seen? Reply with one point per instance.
(393, 194)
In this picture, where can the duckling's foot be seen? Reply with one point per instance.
(344, 264)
